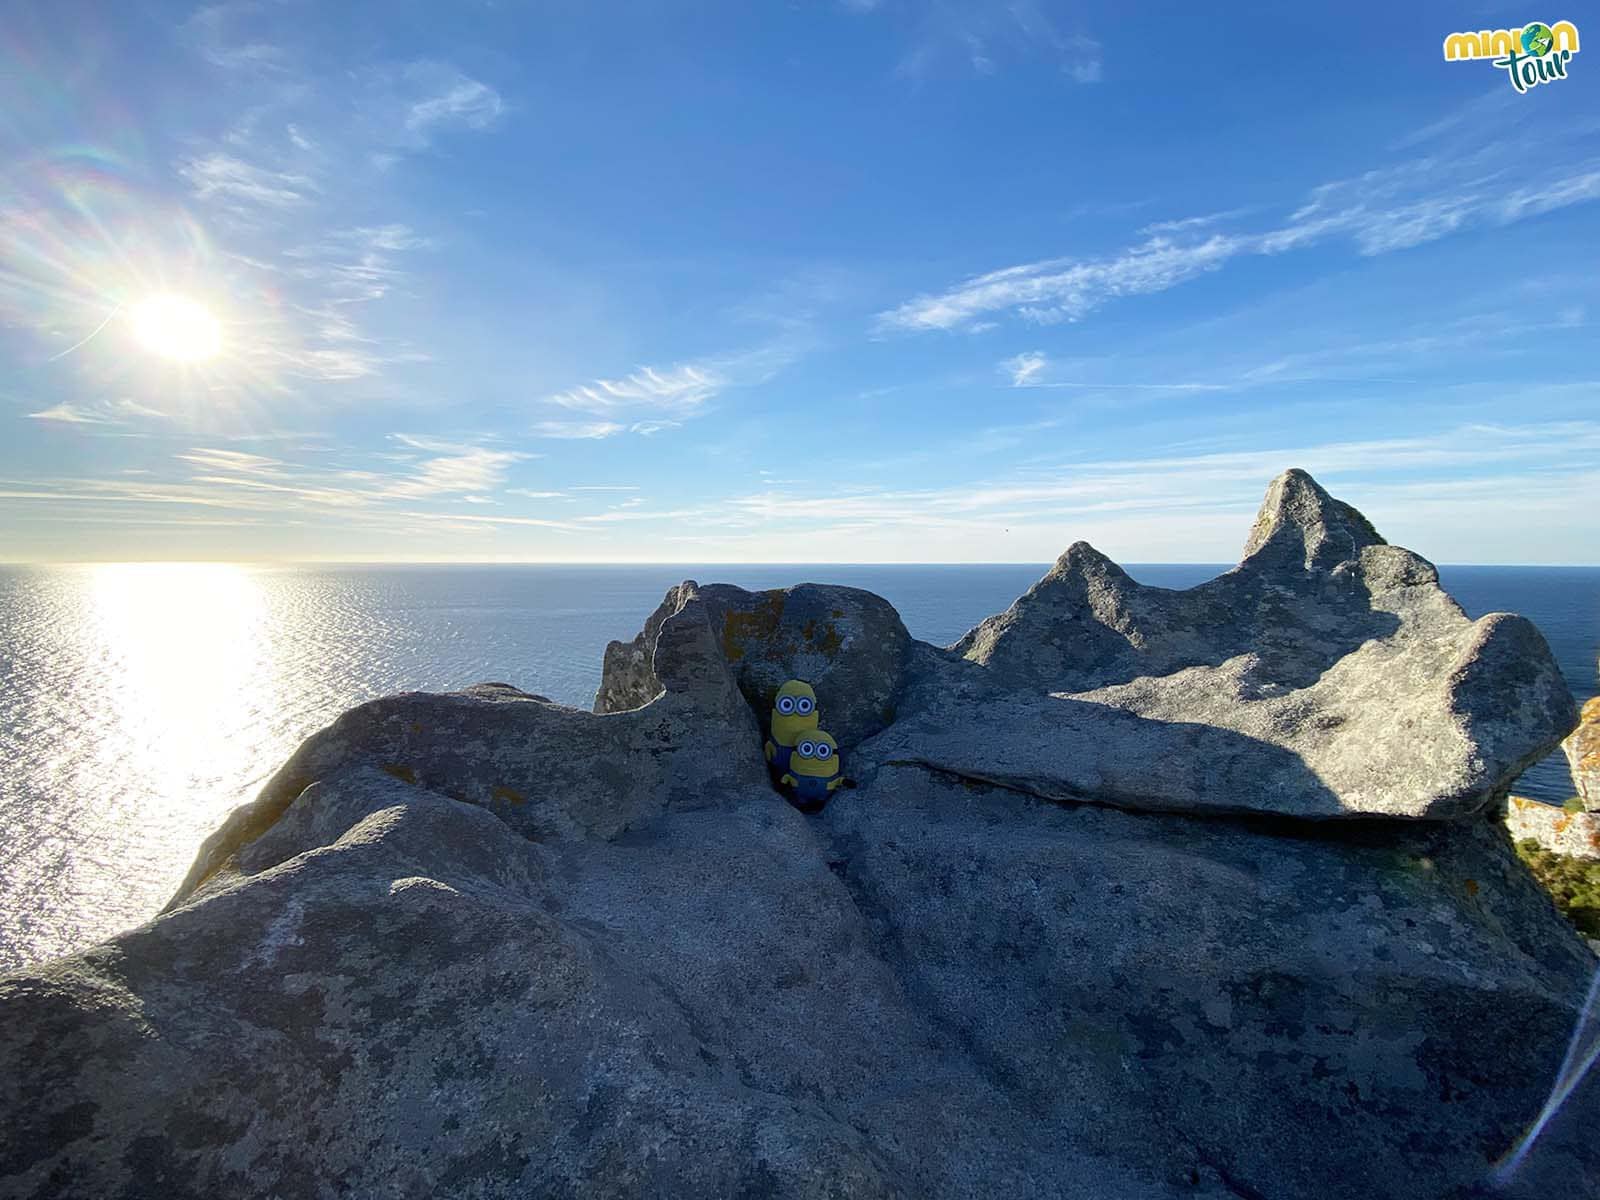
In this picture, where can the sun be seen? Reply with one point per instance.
(177, 328)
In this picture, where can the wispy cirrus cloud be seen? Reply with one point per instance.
(1035, 369)
(673, 391)
(649, 400)
(1470, 478)
(98, 412)
(223, 177)
(1063, 289)
(231, 460)
(981, 36)
(294, 186)
(577, 430)
(1472, 178)
(463, 470)
(445, 97)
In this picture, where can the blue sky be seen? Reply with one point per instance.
(899, 280)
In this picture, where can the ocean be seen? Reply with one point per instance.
(139, 703)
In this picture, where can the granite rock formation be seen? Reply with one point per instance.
(1327, 675)
(481, 945)
(1576, 835)
(1582, 748)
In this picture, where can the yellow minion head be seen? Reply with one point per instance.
(794, 710)
(815, 753)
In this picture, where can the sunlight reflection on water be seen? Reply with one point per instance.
(139, 703)
(174, 666)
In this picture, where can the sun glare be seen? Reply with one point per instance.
(177, 328)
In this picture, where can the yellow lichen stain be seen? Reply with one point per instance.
(414, 728)
(761, 621)
(837, 613)
(505, 795)
(401, 772)
(1562, 822)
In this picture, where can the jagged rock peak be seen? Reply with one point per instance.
(1299, 522)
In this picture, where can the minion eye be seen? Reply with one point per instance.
(806, 749)
(823, 751)
(786, 705)
(804, 704)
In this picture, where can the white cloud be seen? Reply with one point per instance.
(1190, 224)
(1024, 367)
(1063, 289)
(99, 412)
(475, 518)
(676, 391)
(982, 35)
(1379, 212)
(211, 29)
(227, 178)
(1036, 369)
(1184, 507)
(577, 429)
(463, 471)
(653, 399)
(232, 460)
(457, 100)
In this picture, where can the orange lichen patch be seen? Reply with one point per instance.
(1472, 887)
(1562, 822)
(1520, 801)
(504, 795)
(760, 622)
(401, 772)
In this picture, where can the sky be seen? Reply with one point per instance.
(839, 281)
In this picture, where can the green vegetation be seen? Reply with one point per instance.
(1574, 883)
(1572, 804)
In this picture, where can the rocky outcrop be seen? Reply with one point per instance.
(1327, 676)
(848, 644)
(1582, 748)
(1576, 835)
(480, 945)
(546, 769)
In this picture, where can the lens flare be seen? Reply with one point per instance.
(1582, 1052)
(176, 327)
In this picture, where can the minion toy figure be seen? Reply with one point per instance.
(794, 712)
(813, 771)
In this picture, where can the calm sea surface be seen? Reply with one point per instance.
(139, 703)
